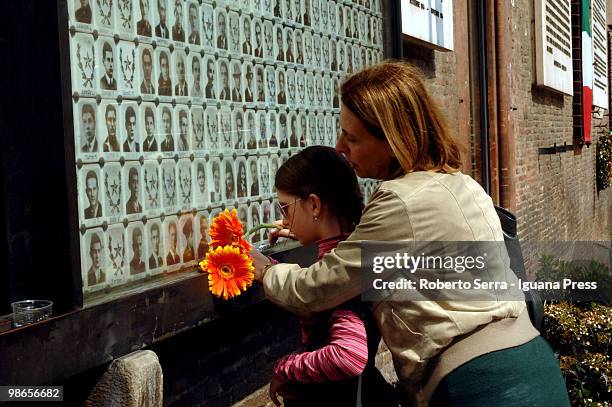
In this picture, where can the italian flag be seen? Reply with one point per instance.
(587, 70)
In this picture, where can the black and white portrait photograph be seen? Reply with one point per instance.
(129, 128)
(162, 67)
(235, 44)
(208, 27)
(179, 75)
(262, 134)
(169, 187)
(148, 119)
(86, 136)
(248, 95)
(242, 186)
(194, 73)
(197, 129)
(147, 86)
(260, 85)
(225, 129)
(107, 128)
(177, 19)
(112, 186)
(289, 49)
(201, 183)
(193, 17)
(297, 11)
(306, 13)
(202, 224)
(349, 57)
(186, 239)
(229, 181)
(269, 42)
(93, 254)
(84, 62)
(250, 130)
(185, 184)
(117, 255)
(124, 18)
(171, 256)
(293, 129)
(341, 56)
(268, 7)
(272, 129)
(133, 188)
(236, 69)
(221, 31)
(266, 214)
(154, 239)
(279, 43)
(274, 164)
(281, 87)
(246, 35)
(348, 22)
(215, 181)
(91, 195)
(245, 6)
(181, 115)
(243, 214)
(270, 85)
(161, 22)
(254, 221)
(136, 256)
(152, 197)
(82, 11)
(264, 175)
(144, 27)
(238, 129)
(283, 138)
(104, 16)
(256, 6)
(253, 178)
(340, 19)
(210, 91)
(354, 22)
(223, 92)
(257, 39)
(290, 86)
(166, 137)
(108, 82)
(302, 130)
(212, 129)
(299, 47)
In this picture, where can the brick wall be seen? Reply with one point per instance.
(556, 195)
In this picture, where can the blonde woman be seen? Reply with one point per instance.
(454, 352)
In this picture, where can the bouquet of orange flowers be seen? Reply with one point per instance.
(228, 262)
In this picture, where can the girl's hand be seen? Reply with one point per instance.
(277, 389)
(281, 231)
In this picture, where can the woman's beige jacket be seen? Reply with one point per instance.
(427, 339)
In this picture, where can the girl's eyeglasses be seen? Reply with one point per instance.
(282, 208)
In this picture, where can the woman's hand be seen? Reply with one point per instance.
(281, 231)
(259, 263)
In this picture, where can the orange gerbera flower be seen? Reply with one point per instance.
(226, 229)
(229, 271)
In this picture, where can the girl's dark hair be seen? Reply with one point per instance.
(320, 170)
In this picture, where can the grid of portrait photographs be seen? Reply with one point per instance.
(184, 108)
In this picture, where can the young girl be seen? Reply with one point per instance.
(320, 202)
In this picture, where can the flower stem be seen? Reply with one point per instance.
(262, 226)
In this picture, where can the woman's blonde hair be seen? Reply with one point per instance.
(391, 100)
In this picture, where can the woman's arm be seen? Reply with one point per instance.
(345, 356)
(338, 276)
